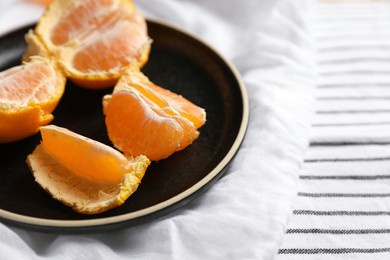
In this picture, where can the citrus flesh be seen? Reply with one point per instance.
(84, 174)
(143, 118)
(28, 95)
(94, 40)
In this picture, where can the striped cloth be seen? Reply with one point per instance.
(343, 205)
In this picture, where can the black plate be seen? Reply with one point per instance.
(179, 62)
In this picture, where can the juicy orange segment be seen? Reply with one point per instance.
(145, 131)
(143, 118)
(94, 39)
(72, 150)
(28, 95)
(82, 173)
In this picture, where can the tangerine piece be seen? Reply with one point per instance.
(84, 174)
(28, 95)
(143, 118)
(94, 39)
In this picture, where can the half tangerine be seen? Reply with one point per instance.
(28, 95)
(94, 39)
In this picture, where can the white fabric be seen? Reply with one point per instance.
(343, 205)
(245, 214)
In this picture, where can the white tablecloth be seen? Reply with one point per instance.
(245, 214)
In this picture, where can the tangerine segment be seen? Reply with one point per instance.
(94, 39)
(142, 118)
(164, 98)
(20, 124)
(73, 150)
(136, 128)
(28, 95)
(128, 36)
(82, 173)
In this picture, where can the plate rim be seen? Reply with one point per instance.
(135, 215)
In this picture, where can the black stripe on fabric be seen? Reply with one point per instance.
(343, 195)
(347, 159)
(355, 85)
(337, 231)
(332, 251)
(379, 111)
(362, 143)
(344, 177)
(351, 124)
(341, 213)
(353, 98)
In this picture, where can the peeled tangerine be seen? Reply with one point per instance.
(84, 174)
(93, 40)
(143, 118)
(28, 95)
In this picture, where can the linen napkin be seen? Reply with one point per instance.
(244, 215)
(343, 205)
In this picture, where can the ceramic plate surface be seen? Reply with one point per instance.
(179, 62)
